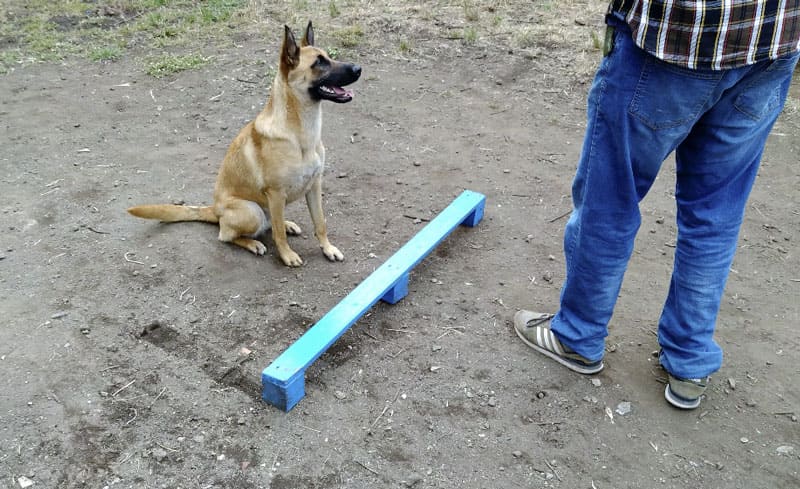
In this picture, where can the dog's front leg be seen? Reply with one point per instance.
(314, 201)
(277, 202)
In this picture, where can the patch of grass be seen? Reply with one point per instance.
(404, 46)
(7, 60)
(170, 64)
(42, 40)
(470, 35)
(349, 36)
(525, 38)
(597, 43)
(150, 4)
(161, 23)
(64, 7)
(99, 30)
(213, 11)
(470, 11)
(333, 52)
(105, 53)
(333, 10)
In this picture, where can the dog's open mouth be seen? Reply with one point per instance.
(334, 93)
(331, 85)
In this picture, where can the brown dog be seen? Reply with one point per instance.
(277, 158)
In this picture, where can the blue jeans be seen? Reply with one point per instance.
(640, 109)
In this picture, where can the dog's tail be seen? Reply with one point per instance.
(174, 213)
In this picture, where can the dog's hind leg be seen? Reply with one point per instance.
(240, 222)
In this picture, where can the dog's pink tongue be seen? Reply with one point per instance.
(342, 91)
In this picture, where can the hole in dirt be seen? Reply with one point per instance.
(159, 334)
(243, 382)
(92, 448)
(342, 351)
(229, 373)
(443, 250)
(482, 375)
(295, 321)
(234, 374)
(169, 339)
(66, 22)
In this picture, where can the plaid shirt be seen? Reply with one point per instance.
(713, 34)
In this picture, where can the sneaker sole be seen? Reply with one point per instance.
(570, 365)
(680, 402)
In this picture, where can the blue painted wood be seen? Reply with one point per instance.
(474, 217)
(284, 393)
(283, 380)
(398, 291)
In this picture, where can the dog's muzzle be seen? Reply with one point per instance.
(331, 87)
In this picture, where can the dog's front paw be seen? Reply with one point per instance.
(291, 259)
(332, 253)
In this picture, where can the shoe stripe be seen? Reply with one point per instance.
(548, 339)
(556, 344)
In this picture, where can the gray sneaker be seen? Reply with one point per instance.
(685, 393)
(534, 329)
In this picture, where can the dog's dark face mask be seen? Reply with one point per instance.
(332, 77)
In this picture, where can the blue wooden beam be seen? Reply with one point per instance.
(284, 379)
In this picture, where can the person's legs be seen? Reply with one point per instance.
(716, 168)
(640, 109)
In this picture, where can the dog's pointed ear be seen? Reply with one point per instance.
(290, 53)
(308, 37)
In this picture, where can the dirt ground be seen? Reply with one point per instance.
(121, 346)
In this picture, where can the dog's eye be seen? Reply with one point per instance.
(321, 62)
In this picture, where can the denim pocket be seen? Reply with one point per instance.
(764, 93)
(669, 96)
